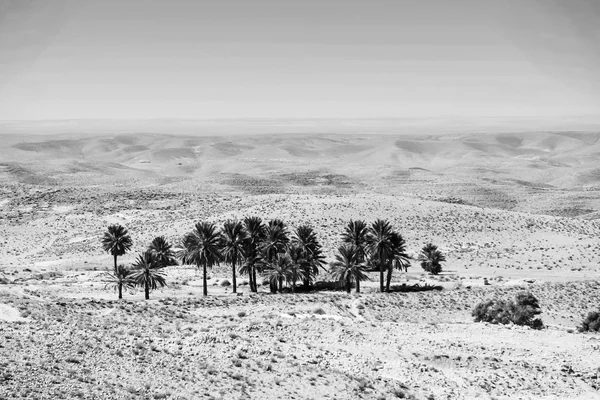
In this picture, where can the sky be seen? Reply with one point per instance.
(141, 59)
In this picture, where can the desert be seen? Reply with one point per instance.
(512, 212)
(287, 199)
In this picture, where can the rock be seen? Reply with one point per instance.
(224, 283)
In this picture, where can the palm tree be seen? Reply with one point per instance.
(116, 241)
(120, 278)
(306, 239)
(380, 246)
(357, 233)
(147, 272)
(250, 266)
(278, 270)
(202, 247)
(348, 266)
(400, 259)
(431, 259)
(299, 262)
(163, 251)
(276, 239)
(275, 242)
(256, 232)
(234, 237)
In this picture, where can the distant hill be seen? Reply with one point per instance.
(549, 172)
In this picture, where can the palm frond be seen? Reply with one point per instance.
(163, 251)
(147, 270)
(122, 276)
(116, 240)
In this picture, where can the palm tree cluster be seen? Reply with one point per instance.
(253, 248)
(147, 271)
(282, 257)
(370, 247)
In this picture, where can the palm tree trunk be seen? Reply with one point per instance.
(389, 278)
(147, 290)
(348, 284)
(357, 284)
(120, 290)
(250, 278)
(381, 273)
(233, 271)
(115, 258)
(204, 282)
(255, 288)
(280, 284)
(294, 284)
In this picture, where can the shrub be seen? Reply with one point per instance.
(521, 311)
(525, 309)
(591, 323)
(493, 311)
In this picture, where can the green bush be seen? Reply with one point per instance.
(521, 311)
(493, 311)
(591, 323)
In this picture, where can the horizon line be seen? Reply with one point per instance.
(449, 116)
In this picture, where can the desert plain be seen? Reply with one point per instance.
(512, 211)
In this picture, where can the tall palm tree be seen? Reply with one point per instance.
(234, 236)
(381, 246)
(357, 233)
(250, 265)
(400, 259)
(147, 272)
(306, 239)
(116, 241)
(163, 251)
(256, 232)
(275, 242)
(348, 266)
(280, 269)
(431, 259)
(299, 262)
(120, 278)
(202, 247)
(276, 239)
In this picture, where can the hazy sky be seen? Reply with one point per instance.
(300, 58)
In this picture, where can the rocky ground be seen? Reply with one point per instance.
(424, 345)
(64, 335)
